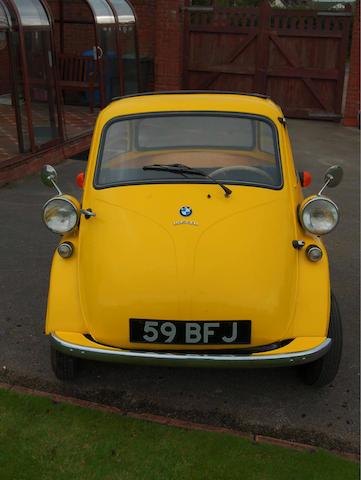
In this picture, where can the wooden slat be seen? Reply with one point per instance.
(307, 80)
(244, 44)
(288, 72)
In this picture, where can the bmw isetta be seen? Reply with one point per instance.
(193, 244)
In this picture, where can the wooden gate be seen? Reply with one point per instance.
(297, 57)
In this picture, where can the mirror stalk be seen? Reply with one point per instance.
(56, 187)
(330, 178)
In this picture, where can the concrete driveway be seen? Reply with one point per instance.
(269, 401)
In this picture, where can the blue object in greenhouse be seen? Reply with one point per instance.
(89, 53)
(130, 75)
(111, 73)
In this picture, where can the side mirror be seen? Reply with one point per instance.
(334, 176)
(49, 177)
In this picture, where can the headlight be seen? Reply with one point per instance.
(319, 215)
(60, 215)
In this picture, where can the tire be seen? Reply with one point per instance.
(322, 371)
(64, 367)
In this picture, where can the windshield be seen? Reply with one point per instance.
(229, 148)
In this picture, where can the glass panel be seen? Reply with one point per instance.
(42, 91)
(3, 41)
(225, 147)
(18, 125)
(78, 72)
(130, 65)
(103, 13)
(124, 11)
(32, 13)
(195, 132)
(266, 138)
(3, 17)
(110, 60)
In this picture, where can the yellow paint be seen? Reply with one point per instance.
(236, 263)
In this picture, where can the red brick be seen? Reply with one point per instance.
(353, 90)
(169, 44)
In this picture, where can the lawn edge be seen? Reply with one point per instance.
(173, 422)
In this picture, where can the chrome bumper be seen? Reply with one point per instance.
(190, 360)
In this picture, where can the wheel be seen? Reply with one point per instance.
(324, 370)
(64, 367)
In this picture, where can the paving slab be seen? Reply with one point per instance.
(265, 402)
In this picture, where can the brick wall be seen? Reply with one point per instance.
(168, 61)
(146, 19)
(353, 89)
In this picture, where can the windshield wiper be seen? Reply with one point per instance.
(185, 170)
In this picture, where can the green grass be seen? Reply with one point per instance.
(41, 439)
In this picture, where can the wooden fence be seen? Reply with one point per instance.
(297, 57)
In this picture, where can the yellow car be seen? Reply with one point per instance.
(192, 244)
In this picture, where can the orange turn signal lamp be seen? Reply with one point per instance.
(80, 179)
(305, 178)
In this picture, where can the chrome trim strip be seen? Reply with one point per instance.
(190, 360)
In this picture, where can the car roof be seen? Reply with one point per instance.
(188, 101)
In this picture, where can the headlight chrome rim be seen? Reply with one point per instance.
(317, 199)
(75, 210)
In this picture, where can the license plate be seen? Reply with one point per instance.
(190, 333)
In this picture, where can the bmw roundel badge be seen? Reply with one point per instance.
(185, 211)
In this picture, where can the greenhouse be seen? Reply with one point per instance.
(62, 60)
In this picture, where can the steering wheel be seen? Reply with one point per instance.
(221, 173)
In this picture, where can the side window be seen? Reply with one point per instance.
(266, 141)
(118, 140)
